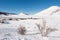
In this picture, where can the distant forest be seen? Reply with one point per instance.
(6, 13)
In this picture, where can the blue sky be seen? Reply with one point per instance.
(26, 6)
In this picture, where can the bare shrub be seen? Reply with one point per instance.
(21, 30)
(48, 30)
(45, 30)
(2, 20)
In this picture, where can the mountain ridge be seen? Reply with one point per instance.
(53, 10)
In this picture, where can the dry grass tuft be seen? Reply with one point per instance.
(22, 30)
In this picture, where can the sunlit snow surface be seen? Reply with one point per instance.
(9, 30)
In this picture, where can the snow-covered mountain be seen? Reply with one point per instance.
(50, 11)
(53, 10)
(22, 15)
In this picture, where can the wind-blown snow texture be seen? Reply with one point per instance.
(9, 29)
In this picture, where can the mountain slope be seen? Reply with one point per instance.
(53, 10)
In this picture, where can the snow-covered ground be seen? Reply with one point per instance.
(12, 27)
(9, 29)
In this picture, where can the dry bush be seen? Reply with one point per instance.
(2, 20)
(49, 30)
(45, 30)
(22, 30)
